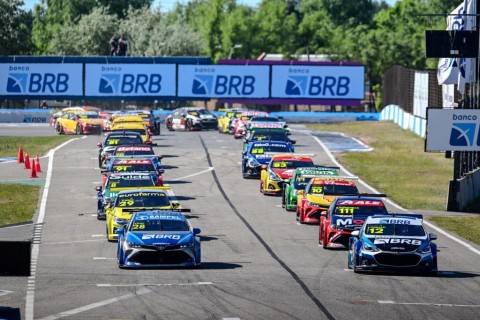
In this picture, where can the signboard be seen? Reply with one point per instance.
(223, 81)
(41, 79)
(420, 94)
(318, 82)
(448, 95)
(130, 80)
(453, 130)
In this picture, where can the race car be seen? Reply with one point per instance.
(265, 131)
(149, 120)
(225, 120)
(113, 140)
(191, 118)
(79, 122)
(150, 165)
(319, 195)
(239, 124)
(394, 242)
(267, 120)
(134, 124)
(129, 201)
(132, 152)
(257, 153)
(117, 182)
(337, 224)
(281, 167)
(158, 239)
(299, 180)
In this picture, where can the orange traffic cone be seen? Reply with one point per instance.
(27, 161)
(37, 163)
(33, 173)
(20, 155)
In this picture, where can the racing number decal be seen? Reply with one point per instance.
(317, 189)
(121, 168)
(120, 154)
(138, 226)
(345, 210)
(376, 229)
(126, 202)
(113, 141)
(300, 178)
(280, 164)
(257, 151)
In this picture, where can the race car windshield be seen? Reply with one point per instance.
(406, 230)
(265, 119)
(147, 167)
(141, 131)
(125, 183)
(280, 136)
(291, 164)
(271, 149)
(119, 140)
(157, 200)
(348, 210)
(159, 225)
(89, 116)
(333, 190)
(134, 153)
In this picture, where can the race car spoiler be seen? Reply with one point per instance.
(133, 157)
(290, 154)
(373, 195)
(330, 177)
(358, 217)
(153, 208)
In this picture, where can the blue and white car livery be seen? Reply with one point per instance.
(393, 242)
(158, 238)
(256, 153)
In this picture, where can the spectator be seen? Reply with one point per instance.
(113, 45)
(44, 105)
(122, 46)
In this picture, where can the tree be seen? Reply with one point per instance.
(15, 28)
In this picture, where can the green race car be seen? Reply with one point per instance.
(299, 181)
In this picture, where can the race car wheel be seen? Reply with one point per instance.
(60, 129)
(79, 129)
(168, 124)
(189, 125)
(261, 186)
(355, 268)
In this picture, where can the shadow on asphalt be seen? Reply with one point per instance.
(178, 182)
(10, 313)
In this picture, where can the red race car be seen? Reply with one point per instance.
(337, 224)
(239, 124)
(319, 195)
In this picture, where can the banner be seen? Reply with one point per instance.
(318, 82)
(223, 81)
(420, 94)
(130, 80)
(41, 79)
(467, 73)
(448, 96)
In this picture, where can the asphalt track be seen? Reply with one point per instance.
(258, 263)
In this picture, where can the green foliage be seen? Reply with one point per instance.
(15, 26)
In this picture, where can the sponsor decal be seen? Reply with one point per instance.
(395, 221)
(361, 203)
(397, 241)
(158, 217)
(463, 134)
(161, 236)
(349, 222)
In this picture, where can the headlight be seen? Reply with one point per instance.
(130, 244)
(188, 245)
(370, 248)
(252, 162)
(120, 221)
(426, 249)
(273, 176)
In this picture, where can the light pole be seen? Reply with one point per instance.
(237, 46)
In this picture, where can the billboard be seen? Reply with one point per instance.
(41, 79)
(130, 80)
(453, 130)
(318, 82)
(223, 81)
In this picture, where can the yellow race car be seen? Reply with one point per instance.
(79, 122)
(129, 201)
(225, 120)
(132, 124)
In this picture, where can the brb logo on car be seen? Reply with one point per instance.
(463, 133)
(33, 82)
(128, 83)
(209, 84)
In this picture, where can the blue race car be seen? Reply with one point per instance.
(394, 242)
(158, 238)
(256, 153)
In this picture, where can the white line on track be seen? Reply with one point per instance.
(429, 304)
(95, 305)
(195, 174)
(103, 258)
(446, 234)
(70, 242)
(30, 297)
(154, 284)
(4, 292)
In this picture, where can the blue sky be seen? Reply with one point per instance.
(166, 5)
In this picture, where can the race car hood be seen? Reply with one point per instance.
(320, 199)
(112, 192)
(284, 173)
(161, 238)
(126, 213)
(397, 243)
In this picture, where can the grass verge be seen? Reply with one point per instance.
(18, 203)
(399, 167)
(9, 145)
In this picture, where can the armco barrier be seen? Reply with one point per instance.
(43, 116)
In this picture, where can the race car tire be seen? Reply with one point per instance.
(168, 124)
(60, 129)
(79, 130)
(355, 268)
(261, 186)
(189, 125)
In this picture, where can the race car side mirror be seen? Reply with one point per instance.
(293, 141)
(355, 233)
(99, 144)
(159, 157)
(98, 188)
(432, 236)
(287, 180)
(120, 231)
(264, 167)
(301, 192)
(323, 213)
(196, 230)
